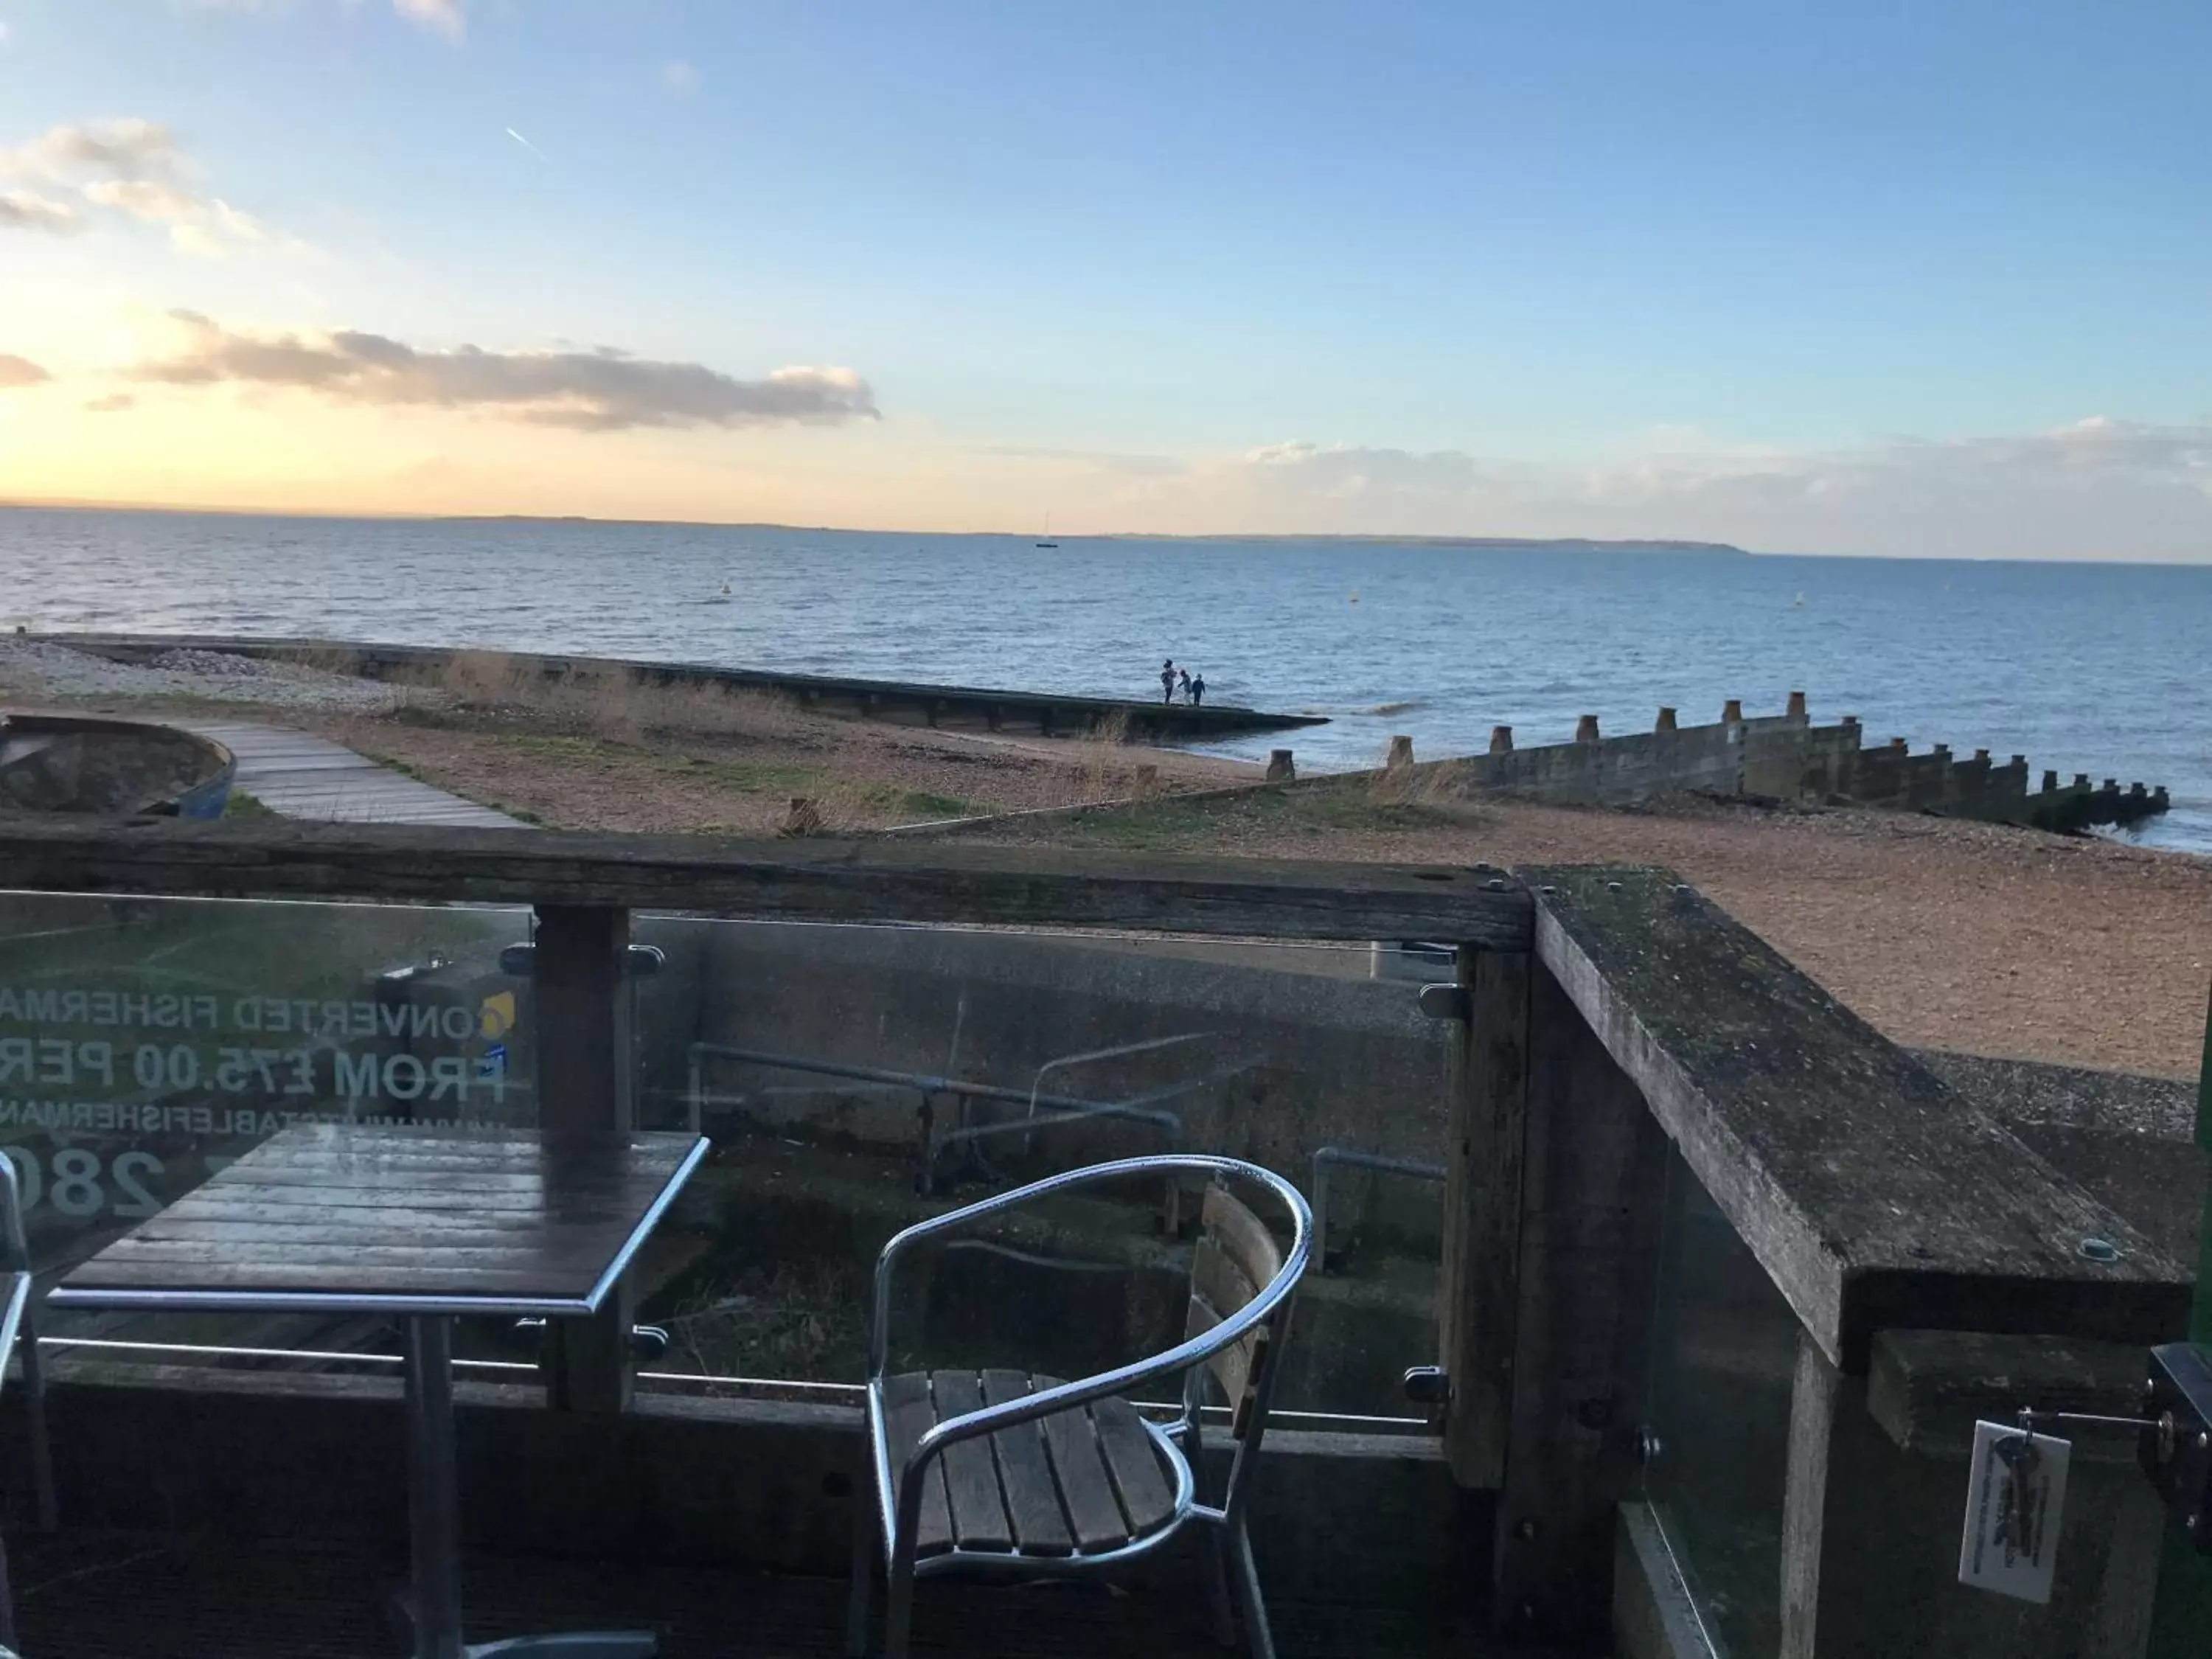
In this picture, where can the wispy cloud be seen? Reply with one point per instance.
(599, 391)
(444, 17)
(2097, 488)
(112, 403)
(681, 79)
(133, 168)
(23, 209)
(526, 144)
(128, 148)
(20, 371)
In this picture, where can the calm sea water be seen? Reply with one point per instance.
(2086, 668)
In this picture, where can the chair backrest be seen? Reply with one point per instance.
(1235, 1258)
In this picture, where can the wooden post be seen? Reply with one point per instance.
(1593, 1182)
(1813, 1399)
(1476, 1286)
(1874, 1481)
(586, 1068)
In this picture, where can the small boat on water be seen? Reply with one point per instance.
(722, 597)
(1048, 543)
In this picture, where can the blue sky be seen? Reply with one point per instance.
(1868, 278)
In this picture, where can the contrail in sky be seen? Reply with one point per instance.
(527, 145)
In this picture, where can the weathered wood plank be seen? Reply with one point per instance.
(1242, 1236)
(1814, 1403)
(1476, 1285)
(1025, 1472)
(802, 880)
(587, 1080)
(1872, 1195)
(971, 1477)
(909, 1413)
(1081, 1468)
(1593, 1187)
(1219, 1289)
(1134, 1464)
(333, 1209)
(1927, 1388)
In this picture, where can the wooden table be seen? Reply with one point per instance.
(423, 1224)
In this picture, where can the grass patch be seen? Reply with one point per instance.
(750, 777)
(557, 746)
(925, 805)
(243, 805)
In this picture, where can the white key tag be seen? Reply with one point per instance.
(2014, 1494)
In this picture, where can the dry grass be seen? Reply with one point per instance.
(601, 748)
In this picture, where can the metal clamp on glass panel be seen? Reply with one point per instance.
(2175, 1446)
(639, 961)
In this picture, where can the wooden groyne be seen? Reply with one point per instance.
(1786, 757)
(959, 707)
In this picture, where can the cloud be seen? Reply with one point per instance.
(2096, 488)
(439, 16)
(132, 167)
(208, 227)
(113, 402)
(21, 371)
(131, 148)
(599, 391)
(23, 209)
(679, 77)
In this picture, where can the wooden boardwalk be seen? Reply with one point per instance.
(298, 775)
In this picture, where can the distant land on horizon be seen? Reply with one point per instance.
(1629, 544)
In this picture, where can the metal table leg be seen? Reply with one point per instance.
(434, 1519)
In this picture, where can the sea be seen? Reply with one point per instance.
(2092, 667)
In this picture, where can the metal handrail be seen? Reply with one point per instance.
(924, 1083)
(1352, 1157)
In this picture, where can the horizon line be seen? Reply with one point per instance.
(70, 504)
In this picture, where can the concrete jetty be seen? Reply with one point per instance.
(956, 707)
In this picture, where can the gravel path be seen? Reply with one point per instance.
(39, 668)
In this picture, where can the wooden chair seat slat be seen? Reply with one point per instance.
(909, 1413)
(1033, 1506)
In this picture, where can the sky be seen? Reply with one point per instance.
(1888, 278)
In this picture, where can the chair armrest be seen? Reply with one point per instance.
(1119, 1170)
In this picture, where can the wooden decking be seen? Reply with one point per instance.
(298, 775)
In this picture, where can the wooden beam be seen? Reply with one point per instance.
(1477, 1284)
(1815, 1393)
(586, 1068)
(1872, 1195)
(1870, 1542)
(1593, 1188)
(1927, 1388)
(796, 880)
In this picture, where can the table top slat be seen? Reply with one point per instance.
(398, 1215)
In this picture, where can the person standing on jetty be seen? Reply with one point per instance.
(1182, 683)
(1167, 680)
(1197, 690)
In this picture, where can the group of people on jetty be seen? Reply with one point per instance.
(1174, 679)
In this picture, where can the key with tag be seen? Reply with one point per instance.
(2015, 1494)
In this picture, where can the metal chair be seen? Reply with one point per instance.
(16, 1319)
(1027, 1476)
